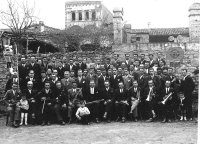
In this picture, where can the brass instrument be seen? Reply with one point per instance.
(150, 95)
(167, 98)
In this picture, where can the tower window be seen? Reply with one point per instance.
(93, 15)
(80, 16)
(137, 38)
(87, 15)
(73, 16)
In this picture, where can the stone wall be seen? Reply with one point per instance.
(191, 51)
(3, 71)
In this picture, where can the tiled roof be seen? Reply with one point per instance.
(160, 31)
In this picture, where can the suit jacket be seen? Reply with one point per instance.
(187, 86)
(114, 82)
(67, 84)
(142, 81)
(121, 96)
(128, 81)
(60, 72)
(73, 67)
(101, 82)
(164, 93)
(36, 68)
(22, 71)
(81, 66)
(32, 95)
(129, 63)
(106, 66)
(41, 83)
(35, 82)
(60, 96)
(108, 95)
(9, 84)
(151, 63)
(49, 96)
(146, 91)
(156, 81)
(75, 96)
(134, 94)
(11, 98)
(92, 97)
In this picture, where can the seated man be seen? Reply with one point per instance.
(166, 99)
(93, 100)
(31, 94)
(121, 102)
(12, 97)
(60, 102)
(74, 98)
(134, 100)
(45, 104)
(108, 94)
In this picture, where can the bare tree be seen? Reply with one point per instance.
(18, 17)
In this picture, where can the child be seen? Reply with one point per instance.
(82, 113)
(24, 106)
(182, 106)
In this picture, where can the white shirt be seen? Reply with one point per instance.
(81, 111)
(71, 67)
(24, 104)
(107, 89)
(29, 91)
(114, 76)
(121, 90)
(167, 90)
(92, 90)
(135, 89)
(47, 91)
(74, 90)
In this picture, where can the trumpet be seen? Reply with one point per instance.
(167, 98)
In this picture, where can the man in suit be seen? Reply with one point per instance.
(60, 102)
(71, 66)
(156, 80)
(142, 59)
(12, 97)
(93, 101)
(187, 86)
(116, 63)
(60, 70)
(127, 79)
(67, 81)
(134, 100)
(166, 107)
(108, 96)
(107, 65)
(42, 81)
(102, 79)
(31, 95)
(151, 60)
(121, 102)
(22, 73)
(35, 67)
(46, 103)
(128, 62)
(150, 97)
(80, 64)
(75, 96)
(92, 76)
(32, 77)
(115, 79)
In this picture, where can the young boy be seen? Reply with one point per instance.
(182, 106)
(82, 113)
(24, 106)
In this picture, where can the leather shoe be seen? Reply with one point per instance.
(62, 123)
(164, 120)
(48, 123)
(43, 123)
(123, 120)
(118, 118)
(97, 120)
(149, 120)
(169, 121)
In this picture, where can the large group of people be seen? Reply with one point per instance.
(75, 89)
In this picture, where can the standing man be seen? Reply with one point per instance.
(187, 87)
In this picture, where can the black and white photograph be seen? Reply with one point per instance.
(99, 71)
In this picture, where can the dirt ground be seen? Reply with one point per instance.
(103, 133)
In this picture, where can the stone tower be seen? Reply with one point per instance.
(194, 22)
(118, 25)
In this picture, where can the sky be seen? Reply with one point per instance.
(138, 13)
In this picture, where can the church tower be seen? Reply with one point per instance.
(194, 22)
(118, 25)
